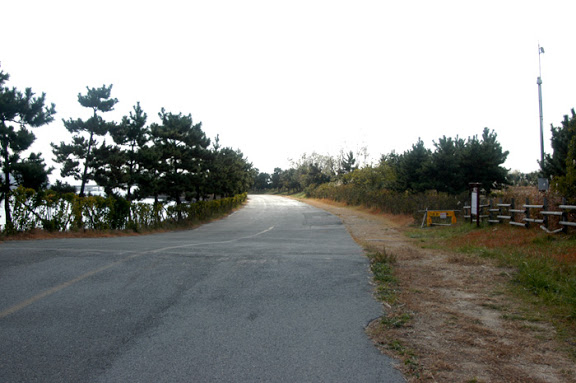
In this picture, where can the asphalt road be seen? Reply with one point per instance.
(276, 292)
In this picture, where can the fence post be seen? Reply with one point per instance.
(564, 217)
(545, 208)
(527, 213)
(511, 210)
(490, 215)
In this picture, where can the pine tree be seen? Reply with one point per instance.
(109, 162)
(555, 164)
(32, 172)
(77, 158)
(561, 165)
(445, 165)
(411, 168)
(347, 163)
(17, 109)
(180, 152)
(230, 173)
(482, 161)
(118, 166)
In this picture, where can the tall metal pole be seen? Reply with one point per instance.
(539, 82)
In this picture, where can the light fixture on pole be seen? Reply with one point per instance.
(539, 82)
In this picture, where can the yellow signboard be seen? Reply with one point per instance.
(442, 214)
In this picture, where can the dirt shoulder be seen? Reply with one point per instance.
(459, 323)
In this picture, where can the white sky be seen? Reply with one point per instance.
(277, 79)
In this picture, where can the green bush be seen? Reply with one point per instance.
(386, 200)
(54, 211)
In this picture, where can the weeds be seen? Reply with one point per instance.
(386, 200)
(381, 266)
(409, 357)
(544, 265)
(397, 320)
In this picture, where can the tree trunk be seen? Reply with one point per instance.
(6, 190)
(86, 161)
(179, 208)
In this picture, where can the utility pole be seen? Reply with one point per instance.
(539, 82)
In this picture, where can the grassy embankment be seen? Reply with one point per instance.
(544, 266)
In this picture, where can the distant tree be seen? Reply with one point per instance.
(289, 180)
(314, 169)
(21, 110)
(517, 178)
(276, 178)
(215, 177)
(554, 164)
(482, 161)
(32, 172)
(312, 175)
(150, 170)
(411, 168)
(561, 165)
(446, 173)
(109, 167)
(371, 178)
(63, 187)
(77, 158)
(262, 182)
(566, 184)
(346, 163)
(230, 173)
(180, 150)
(119, 166)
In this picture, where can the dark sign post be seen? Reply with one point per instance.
(543, 184)
(475, 202)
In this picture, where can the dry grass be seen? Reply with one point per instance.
(400, 220)
(533, 242)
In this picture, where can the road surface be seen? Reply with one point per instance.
(276, 292)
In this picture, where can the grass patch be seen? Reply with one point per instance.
(544, 265)
(409, 357)
(381, 265)
(396, 321)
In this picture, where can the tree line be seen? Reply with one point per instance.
(175, 160)
(449, 168)
(560, 165)
(130, 159)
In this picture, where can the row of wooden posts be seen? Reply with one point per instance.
(525, 215)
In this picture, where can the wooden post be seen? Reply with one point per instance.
(510, 210)
(564, 216)
(490, 217)
(527, 213)
(545, 208)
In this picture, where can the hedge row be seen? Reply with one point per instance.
(53, 211)
(387, 201)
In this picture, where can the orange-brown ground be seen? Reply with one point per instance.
(457, 320)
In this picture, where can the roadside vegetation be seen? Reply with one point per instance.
(147, 175)
(541, 267)
(52, 212)
(382, 265)
(544, 265)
